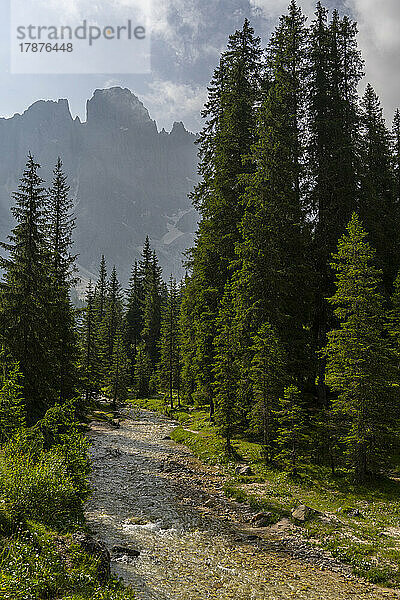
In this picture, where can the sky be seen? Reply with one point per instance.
(187, 37)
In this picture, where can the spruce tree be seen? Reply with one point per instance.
(378, 206)
(101, 290)
(226, 371)
(100, 330)
(12, 410)
(272, 265)
(267, 374)
(225, 139)
(60, 225)
(118, 375)
(291, 430)
(335, 71)
(169, 366)
(145, 261)
(113, 314)
(90, 359)
(143, 372)
(394, 318)
(187, 343)
(26, 298)
(359, 362)
(134, 316)
(152, 310)
(396, 154)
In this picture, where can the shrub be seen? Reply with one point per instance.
(39, 486)
(12, 413)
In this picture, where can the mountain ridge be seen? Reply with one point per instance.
(127, 178)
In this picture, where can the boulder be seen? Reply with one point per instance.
(167, 437)
(124, 551)
(282, 526)
(304, 513)
(98, 550)
(139, 520)
(243, 470)
(354, 512)
(262, 519)
(252, 538)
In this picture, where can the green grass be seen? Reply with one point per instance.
(37, 563)
(43, 486)
(370, 543)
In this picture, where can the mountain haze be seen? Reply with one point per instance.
(127, 178)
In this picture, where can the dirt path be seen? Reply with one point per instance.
(152, 495)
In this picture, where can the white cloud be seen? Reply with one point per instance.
(76, 10)
(380, 45)
(379, 40)
(168, 102)
(273, 9)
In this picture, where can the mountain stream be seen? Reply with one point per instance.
(153, 496)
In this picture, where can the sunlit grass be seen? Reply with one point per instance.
(369, 542)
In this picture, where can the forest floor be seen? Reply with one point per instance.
(154, 496)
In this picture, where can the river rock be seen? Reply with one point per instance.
(253, 538)
(304, 513)
(282, 526)
(139, 520)
(244, 470)
(354, 512)
(124, 551)
(98, 550)
(262, 519)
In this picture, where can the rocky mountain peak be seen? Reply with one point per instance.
(48, 110)
(117, 105)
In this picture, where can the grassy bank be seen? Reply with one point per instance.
(43, 488)
(360, 525)
(38, 563)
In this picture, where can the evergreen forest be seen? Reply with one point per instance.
(286, 327)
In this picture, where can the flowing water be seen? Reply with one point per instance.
(152, 495)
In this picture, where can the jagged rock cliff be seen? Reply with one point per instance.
(127, 178)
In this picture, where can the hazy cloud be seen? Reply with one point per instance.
(188, 36)
(168, 101)
(380, 44)
(275, 8)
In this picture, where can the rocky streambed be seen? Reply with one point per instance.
(176, 537)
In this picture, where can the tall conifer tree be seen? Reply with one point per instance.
(134, 315)
(378, 206)
(152, 310)
(169, 366)
(359, 361)
(90, 359)
(101, 290)
(113, 314)
(273, 254)
(226, 138)
(60, 225)
(26, 301)
(226, 371)
(267, 373)
(396, 154)
(335, 71)
(118, 375)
